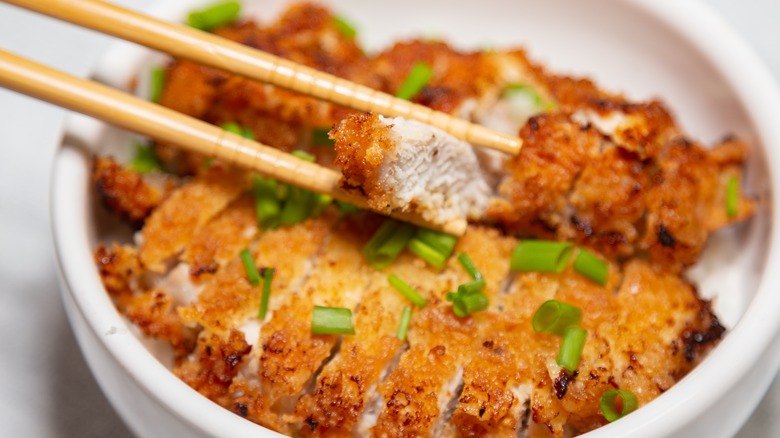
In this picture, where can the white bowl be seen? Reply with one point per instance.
(679, 51)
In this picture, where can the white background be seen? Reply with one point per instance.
(46, 389)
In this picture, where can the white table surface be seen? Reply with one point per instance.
(46, 389)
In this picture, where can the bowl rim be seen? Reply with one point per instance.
(729, 55)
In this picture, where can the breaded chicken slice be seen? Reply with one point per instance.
(404, 165)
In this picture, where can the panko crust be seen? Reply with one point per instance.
(124, 191)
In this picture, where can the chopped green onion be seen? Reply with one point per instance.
(267, 205)
(145, 159)
(407, 291)
(296, 207)
(268, 276)
(344, 27)
(319, 136)
(441, 242)
(468, 265)
(555, 317)
(331, 321)
(533, 94)
(303, 155)
(249, 266)
(235, 128)
(387, 242)
(472, 287)
(427, 253)
(591, 266)
(156, 84)
(628, 404)
(540, 256)
(571, 347)
(451, 296)
(415, 81)
(466, 304)
(403, 325)
(214, 16)
(732, 197)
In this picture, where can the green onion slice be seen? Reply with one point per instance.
(268, 276)
(332, 321)
(555, 317)
(346, 208)
(267, 204)
(407, 291)
(235, 128)
(319, 136)
(249, 266)
(403, 325)
(591, 266)
(538, 101)
(145, 159)
(472, 287)
(441, 242)
(297, 206)
(415, 81)
(427, 253)
(387, 242)
(343, 26)
(540, 256)
(468, 265)
(466, 304)
(628, 402)
(732, 197)
(571, 347)
(303, 155)
(157, 83)
(214, 16)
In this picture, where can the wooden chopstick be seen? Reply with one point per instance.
(205, 48)
(163, 124)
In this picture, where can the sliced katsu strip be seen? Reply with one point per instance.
(120, 272)
(417, 394)
(405, 165)
(186, 211)
(221, 238)
(229, 300)
(574, 182)
(125, 192)
(289, 354)
(345, 400)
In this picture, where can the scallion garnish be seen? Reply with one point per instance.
(387, 242)
(214, 16)
(441, 242)
(145, 159)
(407, 291)
(346, 207)
(468, 265)
(472, 287)
(268, 276)
(467, 303)
(540, 256)
(235, 128)
(319, 137)
(415, 81)
(331, 321)
(156, 84)
(296, 207)
(249, 266)
(526, 90)
(732, 197)
(427, 253)
(555, 317)
(609, 401)
(344, 27)
(403, 325)
(571, 347)
(267, 205)
(591, 266)
(303, 155)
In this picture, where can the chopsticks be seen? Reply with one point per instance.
(205, 48)
(163, 124)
